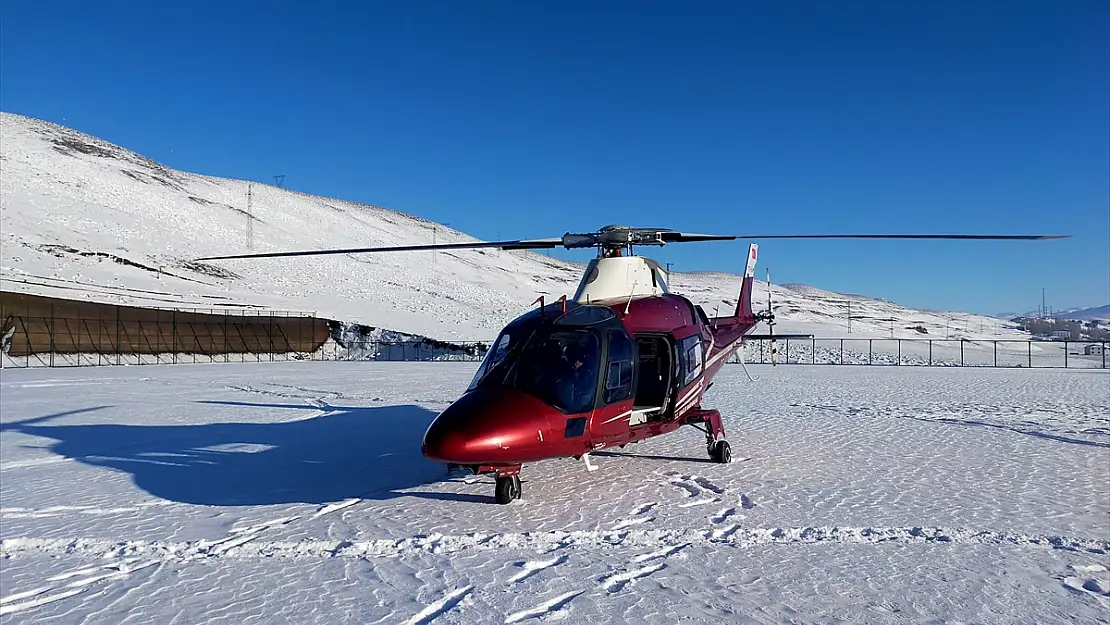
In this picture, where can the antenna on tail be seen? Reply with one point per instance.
(771, 320)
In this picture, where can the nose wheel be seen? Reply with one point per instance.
(507, 488)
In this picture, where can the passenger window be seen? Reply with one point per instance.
(694, 358)
(618, 374)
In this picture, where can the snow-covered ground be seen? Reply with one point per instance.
(84, 218)
(295, 493)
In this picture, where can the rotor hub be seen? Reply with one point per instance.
(612, 240)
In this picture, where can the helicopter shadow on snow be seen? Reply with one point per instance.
(366, 452)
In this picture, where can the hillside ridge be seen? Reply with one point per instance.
(86, 218)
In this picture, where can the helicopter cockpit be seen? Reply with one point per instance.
(553, 356)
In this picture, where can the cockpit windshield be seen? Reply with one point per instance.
(501, 353)
(560, 368)
(554, 357)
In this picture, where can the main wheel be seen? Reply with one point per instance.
(721, 452)
(507, 489)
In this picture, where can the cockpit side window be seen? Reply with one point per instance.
(561, 368)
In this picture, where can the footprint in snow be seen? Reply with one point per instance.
(723, 515)
(617, 581)
(533, 567)
(630, 522)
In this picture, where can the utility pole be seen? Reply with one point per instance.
(435, 228)
(669, 267)
(250, 220)
(279, 179)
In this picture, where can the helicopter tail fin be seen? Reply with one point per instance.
(744, 304)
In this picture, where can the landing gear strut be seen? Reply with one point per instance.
(709, 421)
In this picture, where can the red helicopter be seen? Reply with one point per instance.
(623, 360)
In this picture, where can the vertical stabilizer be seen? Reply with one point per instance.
(744, 304)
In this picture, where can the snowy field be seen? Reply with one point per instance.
(296, 493)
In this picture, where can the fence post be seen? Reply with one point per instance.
(899, 352)
(841, 351)
(995, 353)
(930, 352)
(52, 335)
(961, 352)
(870, 344)
(1065, 354)
(812, 351)
(173, 328)
(1029, 345)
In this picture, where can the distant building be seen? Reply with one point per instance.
(1093, 349)
(1061, 334)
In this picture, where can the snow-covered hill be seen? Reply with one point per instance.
(1078, 313)
(84, 218)
(1093, 313)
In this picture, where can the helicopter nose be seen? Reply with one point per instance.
(488, 426)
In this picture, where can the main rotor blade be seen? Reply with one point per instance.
(683, 237)
(527, 244)
(689, 237)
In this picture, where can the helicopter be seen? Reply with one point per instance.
(622, 360)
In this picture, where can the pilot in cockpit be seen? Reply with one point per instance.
(579, 375)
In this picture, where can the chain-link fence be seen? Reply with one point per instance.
(930, 352)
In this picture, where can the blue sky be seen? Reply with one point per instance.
(531, 119)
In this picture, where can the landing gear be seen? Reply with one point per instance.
(709, 421)
(720, 452)
(507, 489)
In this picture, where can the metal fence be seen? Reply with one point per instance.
(106, 335)
(815, 351)
(931, 352)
